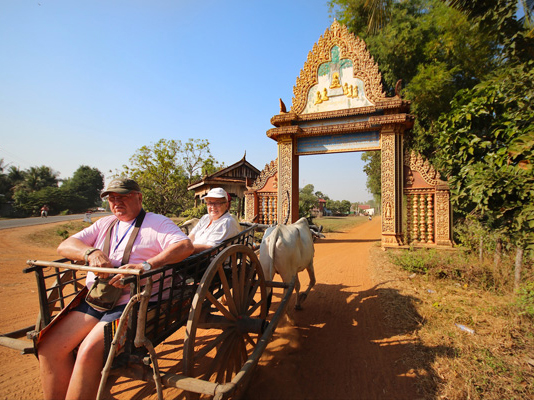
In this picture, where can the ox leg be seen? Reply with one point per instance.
(297, 291)
(311, 272)
(269, 299)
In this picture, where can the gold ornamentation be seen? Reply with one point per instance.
(325, 97)
(409, 178)
(267, 172)
(416, 162)
(443, 237)
(352, 48)
(318, 98)
(285, 175)
(249, 206)
(388, 180)
(433, 225)
(335, 81)
(389, 214)
(354, 92)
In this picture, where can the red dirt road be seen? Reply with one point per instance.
(338, 347)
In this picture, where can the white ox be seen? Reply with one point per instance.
(287, 250)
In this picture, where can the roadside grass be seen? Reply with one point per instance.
(339, 224)
(54, 235)
(471, 336)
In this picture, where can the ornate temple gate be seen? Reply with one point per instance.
(339, 106)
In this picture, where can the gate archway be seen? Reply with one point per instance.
(339, 106)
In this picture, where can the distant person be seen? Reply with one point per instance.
(44, 211)
(156, 242)
(217, 225)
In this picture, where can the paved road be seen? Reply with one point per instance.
(19, 222)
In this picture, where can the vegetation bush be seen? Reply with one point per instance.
(194, 212)
(525, 299)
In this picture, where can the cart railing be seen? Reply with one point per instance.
(161, 302)
(176, 284)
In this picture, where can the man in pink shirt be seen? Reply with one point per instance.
(158, 242)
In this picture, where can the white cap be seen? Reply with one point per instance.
(217, 193)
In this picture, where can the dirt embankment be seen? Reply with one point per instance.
(338, 347)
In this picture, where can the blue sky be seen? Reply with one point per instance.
(90, 82)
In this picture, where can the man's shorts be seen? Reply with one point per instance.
(106, 316)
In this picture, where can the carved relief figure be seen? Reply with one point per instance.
(409, 178)
(388, 210)
(318, 99)
(355, 92)
(346, 89)
(335, 81)
(325, 95)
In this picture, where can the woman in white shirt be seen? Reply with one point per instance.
(217, 225)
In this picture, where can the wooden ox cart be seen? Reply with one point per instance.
(218, 297)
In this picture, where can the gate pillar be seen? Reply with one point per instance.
(392, 185)
(288, 181)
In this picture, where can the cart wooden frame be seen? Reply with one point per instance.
(221, 291)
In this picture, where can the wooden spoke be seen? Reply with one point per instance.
(250, 340)
(236, 280)
(231, 298)
(220, 307)
(227, 290)
(211, 345)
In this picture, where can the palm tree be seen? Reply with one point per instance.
(378, 14)
(36, 178)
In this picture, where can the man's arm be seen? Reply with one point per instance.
(75, 249)
(176, 252)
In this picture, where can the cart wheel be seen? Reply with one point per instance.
(227, 317)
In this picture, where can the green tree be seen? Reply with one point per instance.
(345, 207)
(486, 149)
(88, 183)
(58, 200)
(373, 169)
(31, 187)
(164, 171)
(515, 36)
(5, 185)
(210, 166)
(321, 195)
(37, 178)
(15, 176)
(307, 200)
(197, 159)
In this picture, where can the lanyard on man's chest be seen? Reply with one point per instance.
(126, 255)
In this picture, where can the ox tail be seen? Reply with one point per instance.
(272, 247)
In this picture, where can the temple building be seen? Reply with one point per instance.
(233, 179)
